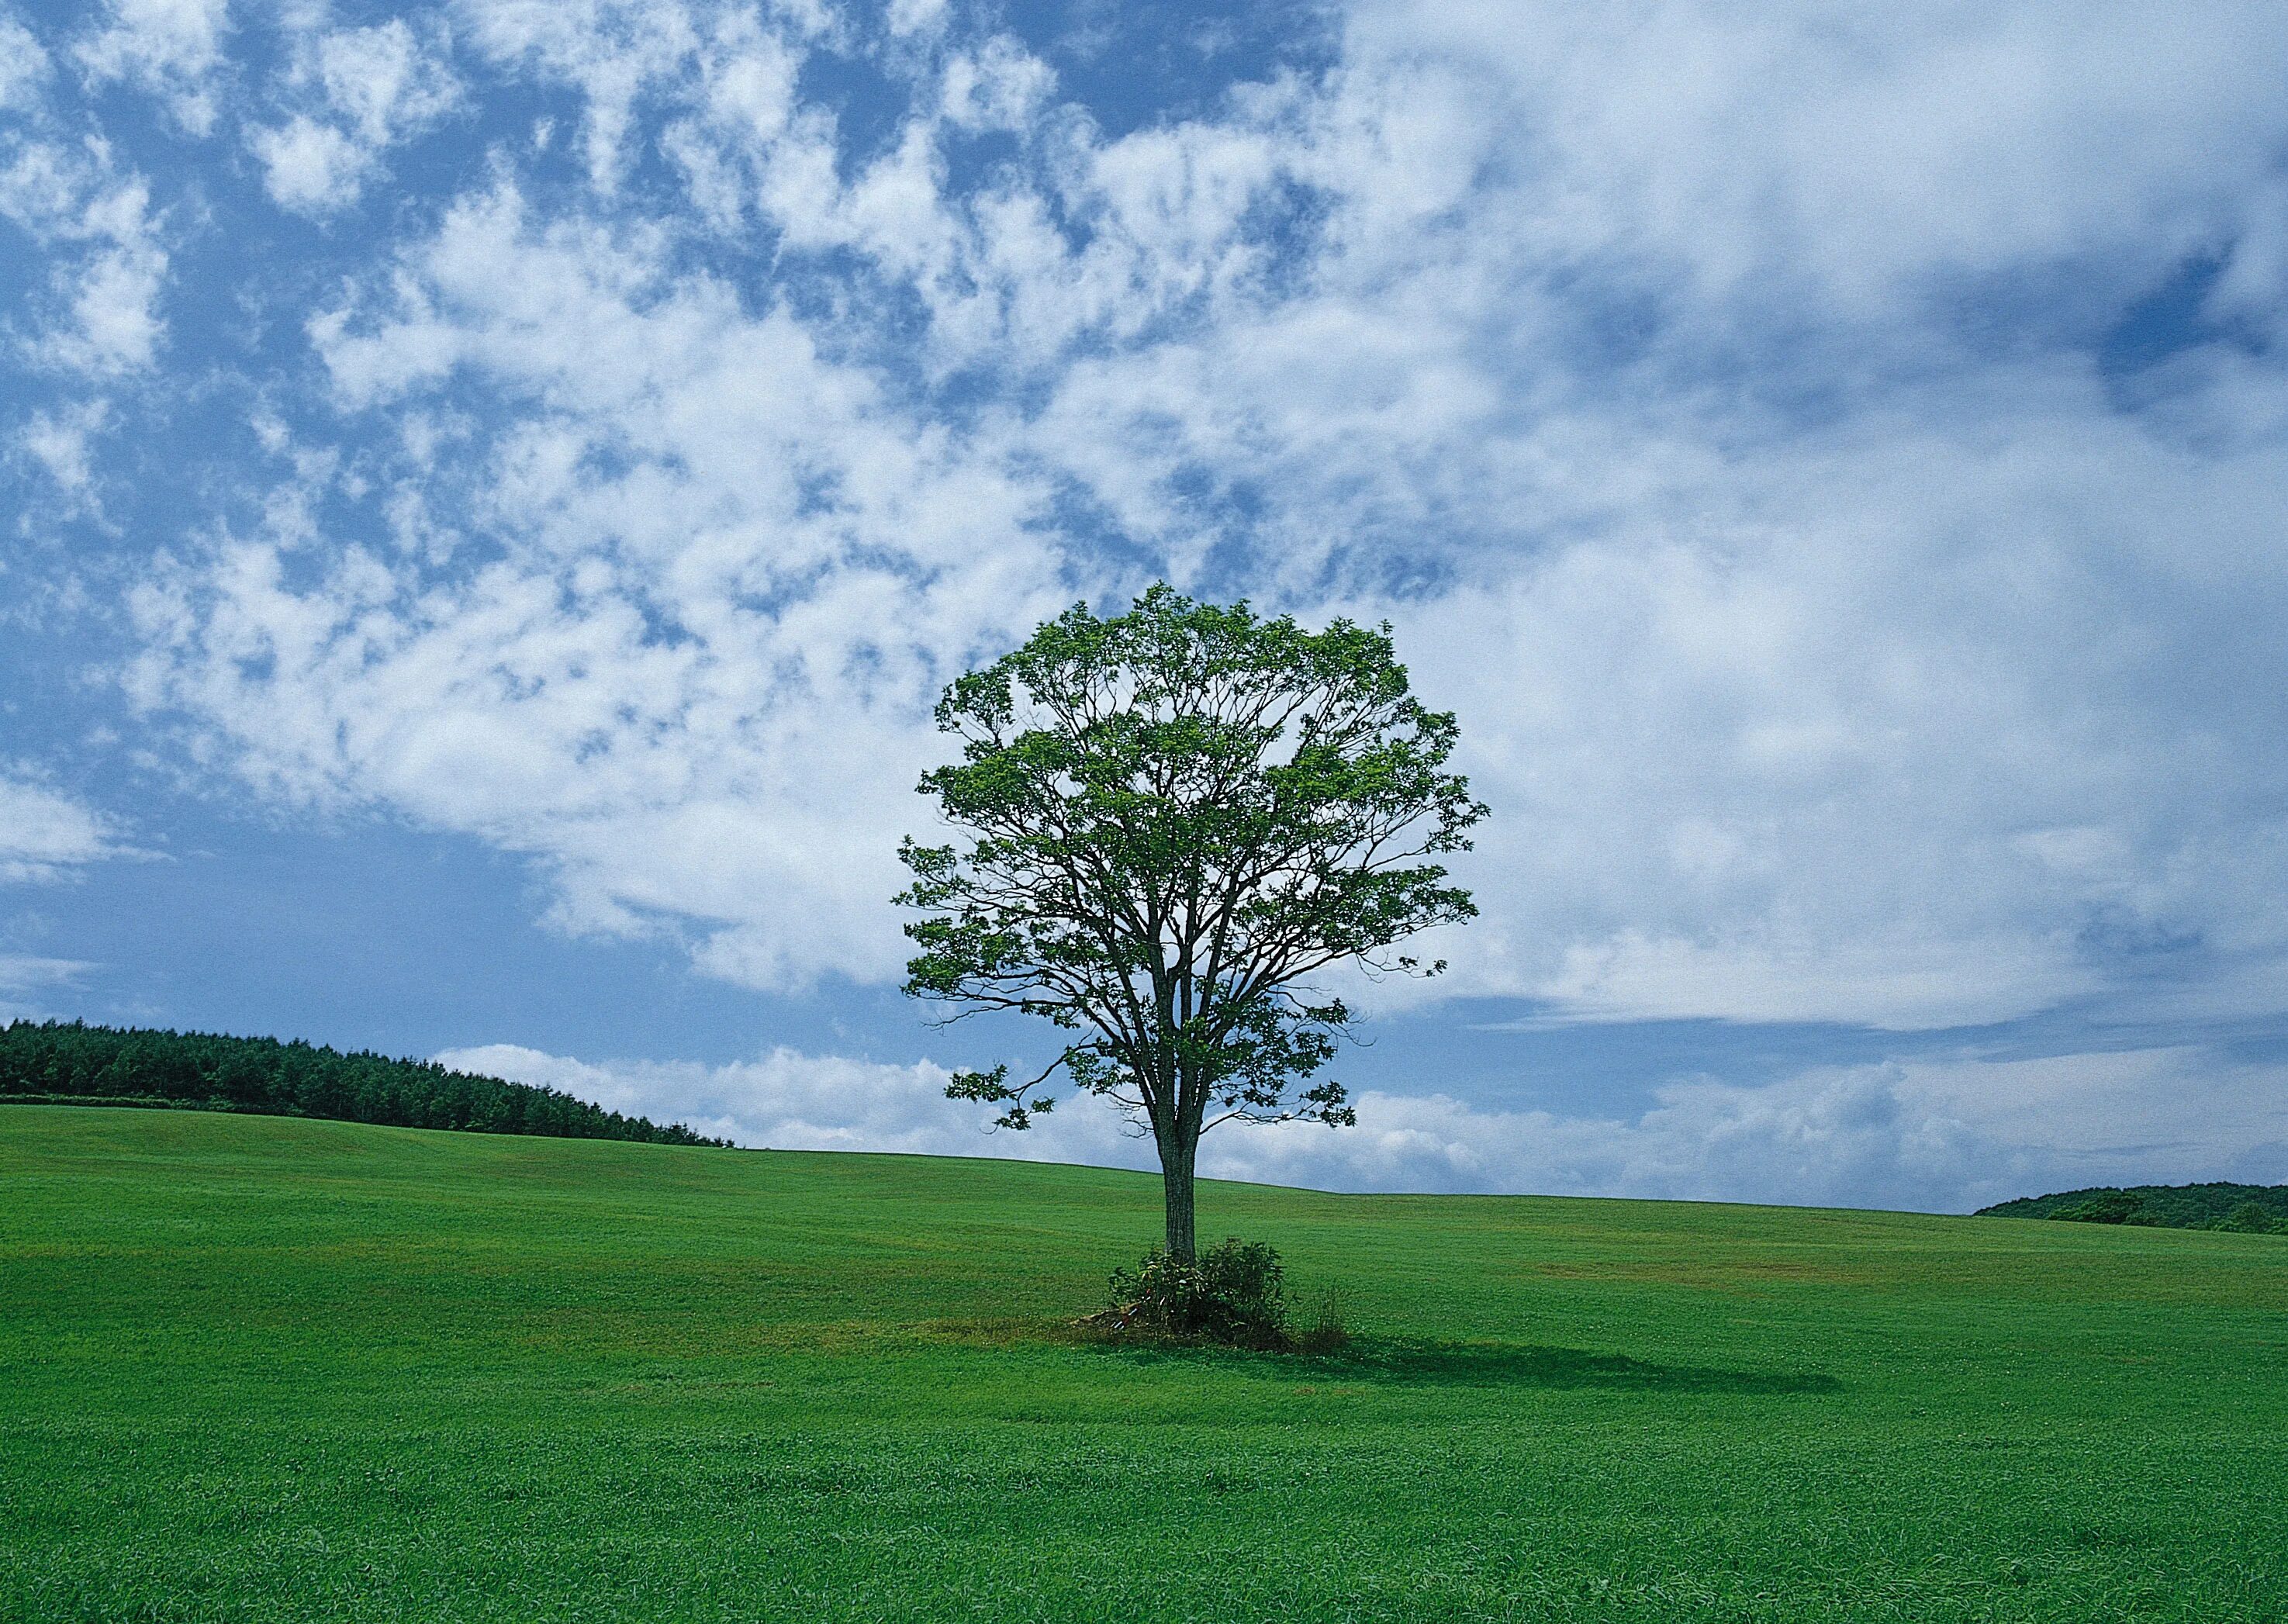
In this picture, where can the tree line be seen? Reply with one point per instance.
(2258, 1208)
(71, 1063)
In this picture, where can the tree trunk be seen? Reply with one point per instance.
(1176, 1183)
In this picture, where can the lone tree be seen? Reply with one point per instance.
(1176, 815)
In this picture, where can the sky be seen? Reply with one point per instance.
(492, 490)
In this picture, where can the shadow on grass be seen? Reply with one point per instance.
(1405, 1362)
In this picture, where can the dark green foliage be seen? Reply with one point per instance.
(2251, 1218)
(71, 1063)
(1235, 1295)
(2161, 1206)
(2110, 1207)
(1176, 816)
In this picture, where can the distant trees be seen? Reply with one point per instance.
(69, 1061)
(1173, 817)
(2249, 1209)
(2108, 1206)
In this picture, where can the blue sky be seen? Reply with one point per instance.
(494, 486)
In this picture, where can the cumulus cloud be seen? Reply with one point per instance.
(170, 48)
(363, 91)
(1908, 737)
(24, 977)
(615, 52)
(1721, 406)
(1853, 160)
(1944, 1135)
(44, 834)
(107, 264)
(789, 1100)
(382, 80)
(113, 326)
(693, 676)
(94, 318)
(59, 443)
(309, 165)
(25, 68)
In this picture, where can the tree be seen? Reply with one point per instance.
(1175, 816)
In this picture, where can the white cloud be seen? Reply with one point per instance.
(367, 89)
(1942, 1134)
(308, 165)
(25, 68)
(697, 685)
(790, 1100)
(108, 263)
(999, 86)
(45, 835)
(170, 48)
(1850, 157)
(1898, 733)
(916, 16)
(1894, 983)
(114, 327)
(1945, 1135)
(1825, 656)
(25, 975)
(59, 443)
(615, 51)
(384, 80)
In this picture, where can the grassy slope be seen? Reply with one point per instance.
(259, 1367)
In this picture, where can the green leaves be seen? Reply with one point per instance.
(1173, 817)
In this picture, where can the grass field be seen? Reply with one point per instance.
(257, 1368)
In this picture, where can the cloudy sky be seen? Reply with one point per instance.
(494, 487)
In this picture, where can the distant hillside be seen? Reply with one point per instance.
(2242, 1206)
(73, 1063)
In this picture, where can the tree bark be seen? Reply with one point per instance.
(1176, 1182)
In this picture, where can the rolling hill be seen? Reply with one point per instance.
(281, 1368)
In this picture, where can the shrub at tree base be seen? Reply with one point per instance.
(1234, 1295)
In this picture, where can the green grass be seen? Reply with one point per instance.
(257, 1368)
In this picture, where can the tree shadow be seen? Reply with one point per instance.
(1401, 1361)
(1408, 1362)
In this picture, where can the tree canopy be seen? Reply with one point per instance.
(1173, 817)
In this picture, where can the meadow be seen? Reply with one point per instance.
(275, 1369)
